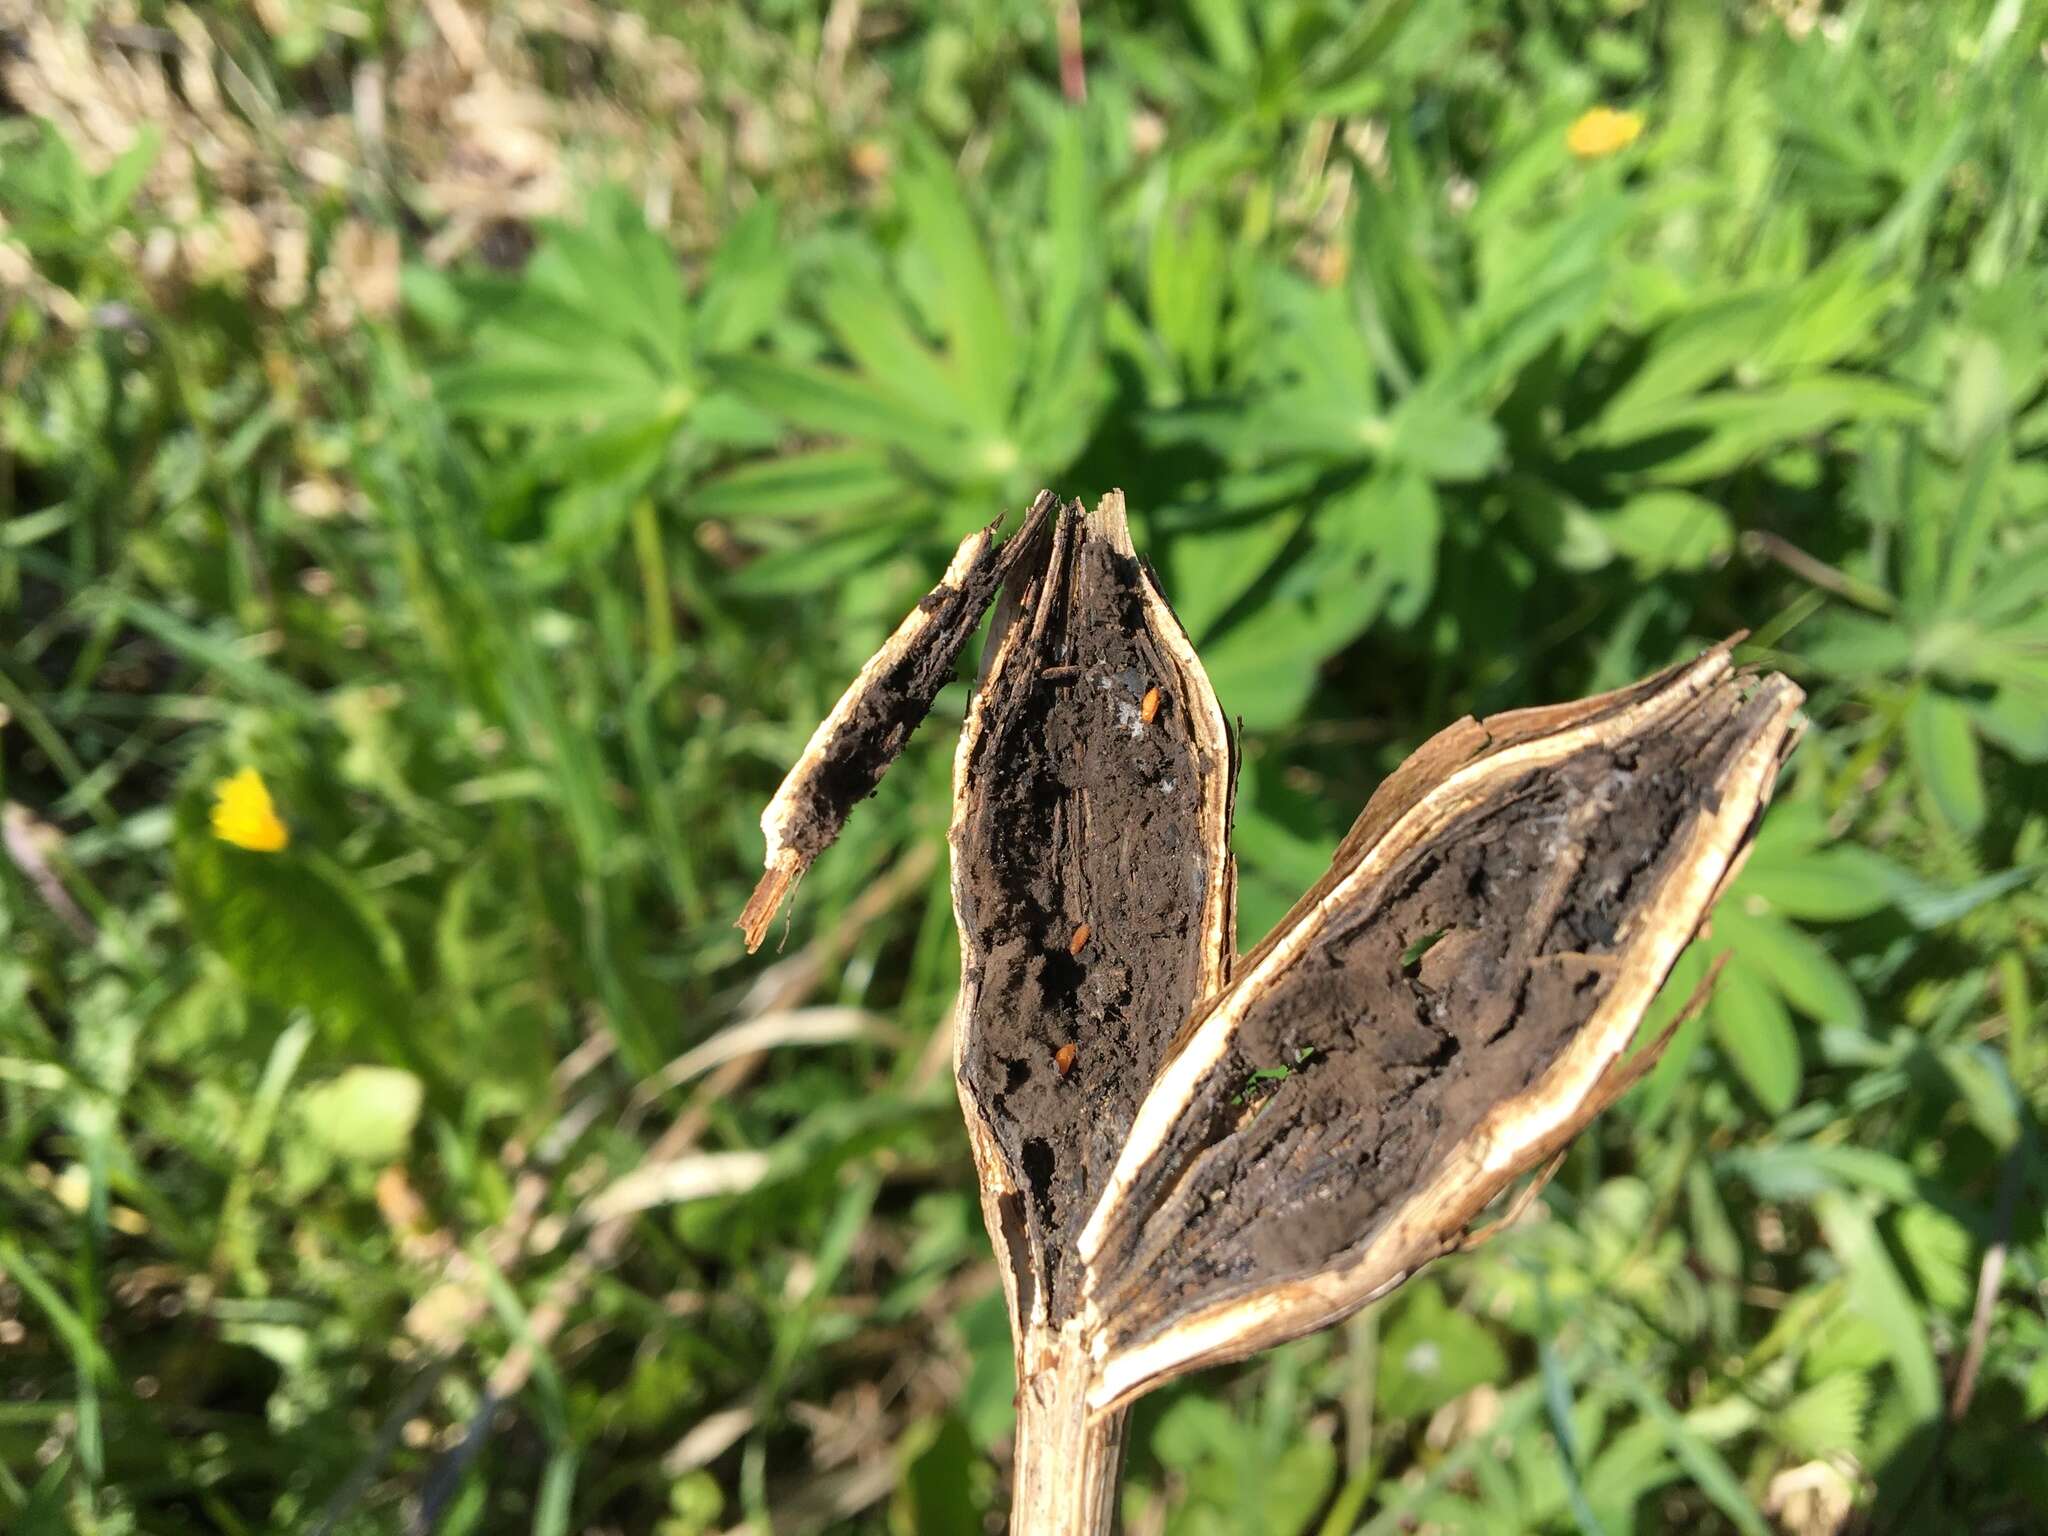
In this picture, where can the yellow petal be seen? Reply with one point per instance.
(244, 816)
(1603, 131)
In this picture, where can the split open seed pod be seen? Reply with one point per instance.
(1186, 1156)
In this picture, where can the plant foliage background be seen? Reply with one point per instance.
(507, 430)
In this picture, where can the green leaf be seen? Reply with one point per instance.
(1341, 73)
(1754, 1030)
(73, 1333)
(2035, 1391)
(1506, 341)
(1439, 438)
(893, 358)
(1928, 906)
(1226, 30)
(1693, 349)
(1819, 885)
(1943, 751)
(120, 181)
(1262, 666)
(617, 276)
(1191, 1431)
(1375, 552)
(1714, 434)
(1831, 313)
(1065, 336)
(556, 1499)
(1878, 1295)
(803, 485)
(2015, 588)
(988, 1401)
(1808, 977)
(1235, 1487)
(1826, 1418)
(1300, 1481)
(1660, 1088)
(1850, 645)
(1801, 1170)
(294, 927)
(364, 1115)
(1184, 289)
(1707, 1467)
(1969, 527)
(843, 404)
(1981, 1080)
(1557, 1402)
(1713, 1233)
(1848, 1341)
(1558, 527)
(981, 347)
(1669, 531)
(1392, 525)
(935, 1486)
(747, 283)
(1631, 1465)
(1211, 567)
(1942, 1254)
(817, 562)
(1980, 395)
(2015, 719)
(1430, 1353)
(547, 393)
(1319, 343)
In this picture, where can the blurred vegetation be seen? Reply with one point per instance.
(506, 433)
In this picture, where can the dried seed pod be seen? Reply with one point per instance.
(1453, 1000)
(1565, 857)
(1139, 837)
(1041, 828)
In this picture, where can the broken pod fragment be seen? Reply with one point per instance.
(868, 728)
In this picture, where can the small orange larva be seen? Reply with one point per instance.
(1063, 1058)
(1148, 711)
(1079, 941)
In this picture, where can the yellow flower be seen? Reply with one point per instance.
(1603, 131)
(244, 816)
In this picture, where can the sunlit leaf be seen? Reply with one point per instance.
(1752, 1027)
(1878, 1294)
(363, 1115)
(1430, 1353)
(1826, 1418)
(1943, 750)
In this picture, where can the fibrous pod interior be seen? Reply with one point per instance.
(1403, 1022)
(1091, 878)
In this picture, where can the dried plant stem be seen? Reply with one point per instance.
(1067, 1459)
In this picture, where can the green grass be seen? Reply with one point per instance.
(521, 589)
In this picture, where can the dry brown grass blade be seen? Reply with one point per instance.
(459, 1302)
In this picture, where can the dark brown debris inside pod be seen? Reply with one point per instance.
(874, 718)
(1084, 863)
(1440, 991)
